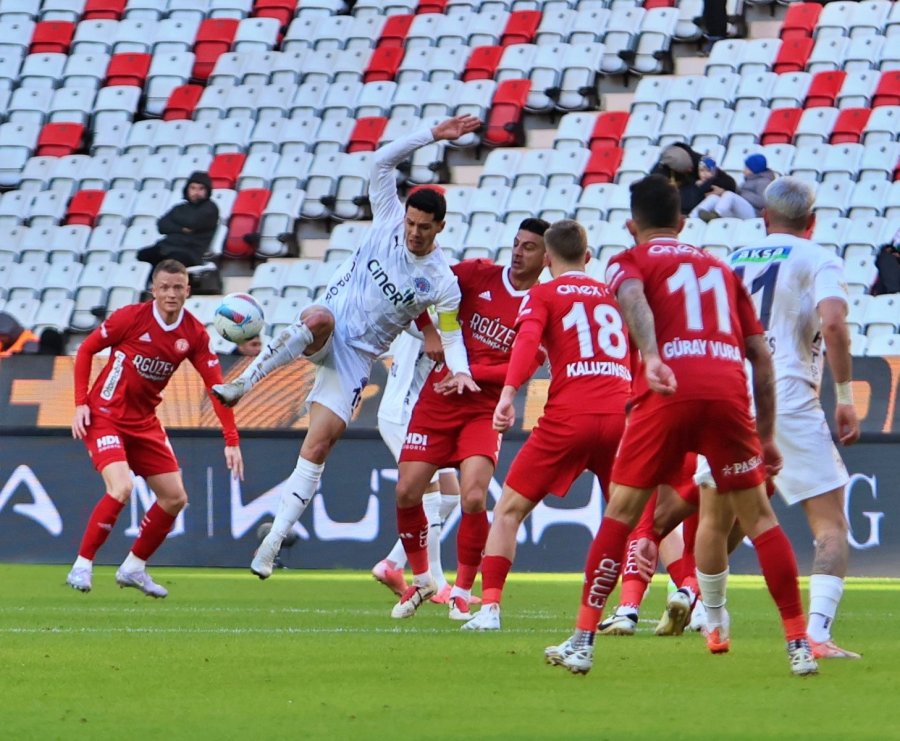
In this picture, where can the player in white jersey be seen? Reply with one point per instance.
(395, 274)
(799, 291)
(410, 367)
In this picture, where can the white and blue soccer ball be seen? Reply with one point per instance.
(239, 318)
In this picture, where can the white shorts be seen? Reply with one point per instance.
(703, 476)
(394, 434)
(812, 464)
(342, 375)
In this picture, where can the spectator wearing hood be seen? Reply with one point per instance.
(187, 228)
(724, 199)
(757, 177)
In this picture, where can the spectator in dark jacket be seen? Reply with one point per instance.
(888, 265)
(188, 228)
(725, 198)
(679, 163)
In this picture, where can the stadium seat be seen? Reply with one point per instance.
(214, 37)
(849, 125)
(59, 139)
(781, 125)
(29, 105)
(176, 34)
(482, 63)
(857, 90)
(52, 37)
(394, 31)
(824, 88)
(384, 64)
(366, 134)
(256, 35)
(182, 102)
(815, 126)
(37, 173)
(504, 123)
(793, 54)
(602, 166)
(863, 53)
(887, 93)
(128, 69)
(225, 168)
(521, 27)
(42, 70)
(85, 70)
(103, 9)
(280, 10)
(135, 35)
(607, 130)
(790, 90)
(84, 207)
(800, 20)
(245, 216)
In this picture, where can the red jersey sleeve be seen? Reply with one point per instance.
(526, 353)
(207, 365)
(622, 267)
(746, 311)
(110, 332)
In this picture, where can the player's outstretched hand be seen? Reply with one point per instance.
(505, 411)
(235, 461)
(846, 423)
(456, 384)
(81, 421)
(646, 554)
(771, 457)
(455, 127)
(432, 347)
(660, 377)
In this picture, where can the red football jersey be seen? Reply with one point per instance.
(702, 314)
(586, 342)
(145, 352)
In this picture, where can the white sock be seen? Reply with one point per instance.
(83, 563)
(288, 346)
(449, 502)
(466, 594)
(133, 563)
(712, 589)
(825, 592)
(422, 580)
(431, 503)
(298, 492)
(397, 556)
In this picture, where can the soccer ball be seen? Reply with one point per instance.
(239, 318)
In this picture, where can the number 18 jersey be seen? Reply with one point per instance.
(787, 277)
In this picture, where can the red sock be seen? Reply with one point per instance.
(779, 567)
(494, 570)
(634, 585)
(601, 571)
(470, 540)
(413, 528)
(689, 532)
(99, 526)
(154, 528)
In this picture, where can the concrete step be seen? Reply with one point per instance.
(313, 249)
(540, 138)
(465, 174)
(690, 65)
(236, 283)
(770, 29)
(616, 101)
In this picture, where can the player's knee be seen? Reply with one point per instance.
(317, 452)
(408, 494)
(173, 502)
(472, 499)
(120, 492)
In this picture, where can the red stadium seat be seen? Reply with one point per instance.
(394, 31)
(52, 37)
(384, 64)
(213, 39)
(504, 122)
(281, 10)
(602, 165)
(431, 6)
(366, 134)
(245, 216)
(182, 102)
(225, 168)
(781, 126)
(793, 54)
(128, 69)
(824, 88)
(482, 63)
(59, 139)
(888, 90)
(650, 4)
(608, 130)
(103, 10)
(430, 186)
(800, 20)
(521, 27)
(849, 125)
(84, 206)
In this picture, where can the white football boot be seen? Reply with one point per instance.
(487, 618)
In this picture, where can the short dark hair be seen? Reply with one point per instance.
(169, 266)
(534, 225)
(655, 203)
(567, 239)
(429, 201)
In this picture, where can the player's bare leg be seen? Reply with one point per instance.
(825, 514)
(412, 524)
(499, 553)
(601, 573)
(306, 336)
(447, 502)
(711, 552)
(475, 475)
(779, 568)
(325, 429)
(171, 498)
(119, 484)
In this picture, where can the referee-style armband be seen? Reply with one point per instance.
(844, 392)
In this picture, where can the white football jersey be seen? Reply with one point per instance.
(409, 370)
(385, 286)
(788, 277)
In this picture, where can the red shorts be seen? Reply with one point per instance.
(683, 483)
(559, 450)
(660, 434)
(445, 434)
(144, 447)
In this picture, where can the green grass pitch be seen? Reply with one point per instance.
(315, 655)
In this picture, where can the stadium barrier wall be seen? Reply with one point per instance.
(48, 488)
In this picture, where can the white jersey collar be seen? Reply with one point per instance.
(508, 283)
(159, 320)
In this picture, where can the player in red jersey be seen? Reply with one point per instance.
(578, 322)
(694, 324)
(117, 419)
(451, 430)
